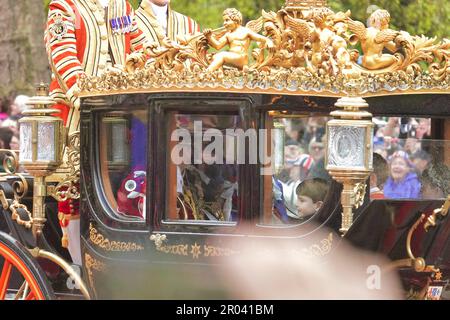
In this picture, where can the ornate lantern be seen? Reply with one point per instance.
(41, 145)
(348, 156)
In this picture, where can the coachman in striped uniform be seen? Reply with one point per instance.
(84, 37)
(157, 20)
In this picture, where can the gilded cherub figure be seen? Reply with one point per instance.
(374, 39)
(238, 38)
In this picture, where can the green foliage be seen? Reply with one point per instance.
(428, 17)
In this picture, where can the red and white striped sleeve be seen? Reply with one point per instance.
(61, 46)
(137, 37)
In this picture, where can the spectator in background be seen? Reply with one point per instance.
(15, 113)
(6, 135)
(423, 130)
(412, 144)
(403, 182)
(435, 181)
(314, 128)
(421, 159)
(391, 129)
(4, 106)
(316, 148)
(295, 131)
(378, 177)
(14, 143)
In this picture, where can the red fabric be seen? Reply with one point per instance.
(64, 111)
(76, 40)
(378, 195)
(131, 206)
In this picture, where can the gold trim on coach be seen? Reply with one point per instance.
(110, 245)
(309, 50)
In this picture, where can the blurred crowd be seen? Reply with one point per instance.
(10, 112)
(407, 163)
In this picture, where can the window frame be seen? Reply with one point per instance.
(203, 105)
(100, 171)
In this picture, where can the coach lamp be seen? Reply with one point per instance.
(41, 146)
(348, 156)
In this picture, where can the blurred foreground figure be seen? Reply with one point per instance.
(289, 269)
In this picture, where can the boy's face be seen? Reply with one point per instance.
(306, 207)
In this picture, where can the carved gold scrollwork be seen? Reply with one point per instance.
(110, 245)
(93, 264)
(320, 250)
(158, 239)
(443, 211)
(68, 187)
(10, 161)
(16, 216)
(359, 194)
(20, 187)
(298, 50)
(418, 263)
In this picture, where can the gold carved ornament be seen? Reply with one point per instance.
(93, 264)
(68, 188)
(419, 263)
(109, 245)
(196, 249)
(297, 50)
(320, 250)
(20, 188)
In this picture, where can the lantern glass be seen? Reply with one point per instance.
(26, 146)
(346, 147)
(119, 141)
(278, 137)
(46, 142)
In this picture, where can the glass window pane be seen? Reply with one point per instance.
(26, 151)
(202, 184)
(123, 160)
(296, 191)
(407, 163)
(46, 142)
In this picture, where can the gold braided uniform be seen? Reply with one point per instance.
(177, 24)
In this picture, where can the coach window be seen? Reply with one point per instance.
(203, 176)
(123, 162)
(295, 188)
(408, 162)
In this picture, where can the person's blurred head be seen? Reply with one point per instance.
(380, 171)
(295, 131)
(435, 181)
(6, 135)
(316, 148)
(310, 196)
(400, 165)
(292, 151)
(15, 143)
(412, 145)
(421, 159)
(423, 129)
(18, 106)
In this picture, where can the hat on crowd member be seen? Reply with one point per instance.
(401, 154)
(305, 161)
